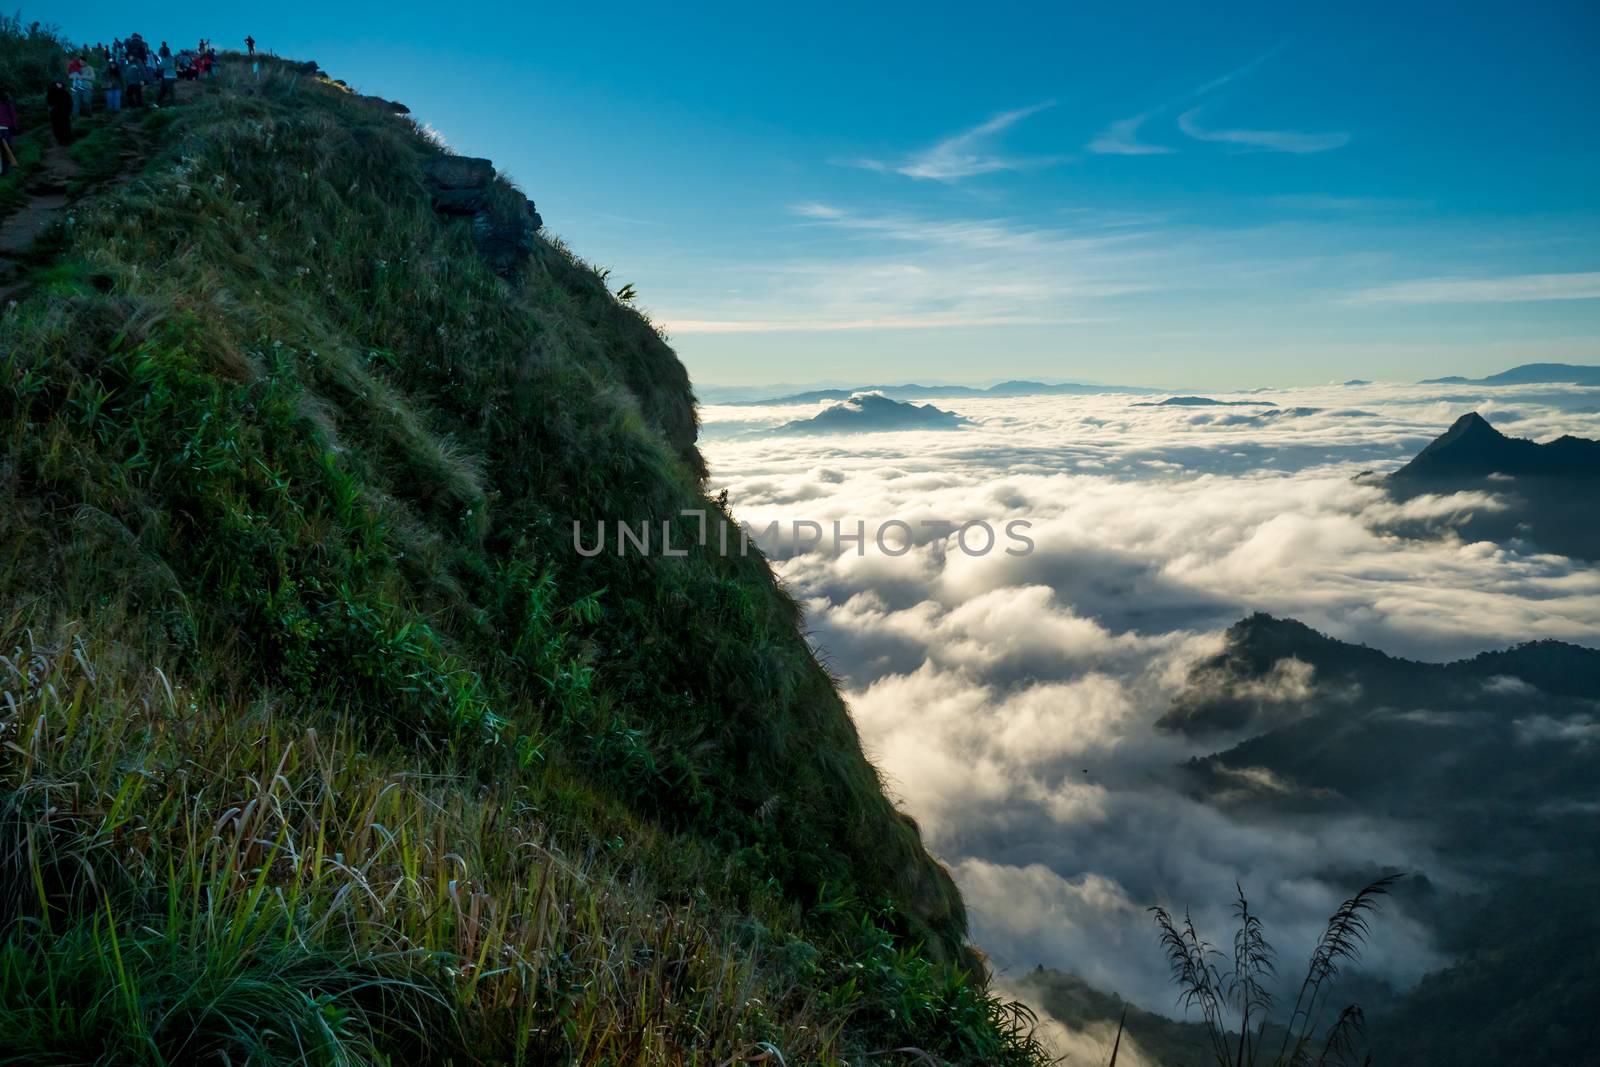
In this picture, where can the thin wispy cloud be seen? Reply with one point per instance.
(1348, 204)
(885, 322)
(1121, 138)
(905, 271)
(985, 235)
(1514, 288)
(967, 154)
(1238, 72)
(1266, 140)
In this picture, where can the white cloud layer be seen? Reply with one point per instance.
(1010, 701)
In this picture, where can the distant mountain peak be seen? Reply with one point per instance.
(1472, 448)
(1472, 423)
(869, 412)
(1469, 427)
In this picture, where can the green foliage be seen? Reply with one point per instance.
(1526, 976)
(28, 61)
(99, 148)
(433, 785)
(29, 58)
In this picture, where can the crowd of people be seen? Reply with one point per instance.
(126, 67)
(129, 73)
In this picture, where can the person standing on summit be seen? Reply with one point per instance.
(250, 46)
(134, 76)
(168, 73)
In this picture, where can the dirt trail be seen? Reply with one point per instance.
(47, 198)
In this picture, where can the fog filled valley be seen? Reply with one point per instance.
(1106, 723)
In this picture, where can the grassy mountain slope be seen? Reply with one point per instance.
(322, 743)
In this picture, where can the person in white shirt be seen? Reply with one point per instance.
(82, 88)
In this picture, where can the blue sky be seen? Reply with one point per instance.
(1148, 194)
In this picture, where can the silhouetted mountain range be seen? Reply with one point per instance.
(1495, 759)
(1245, 686)
(1529, 374)
(1201, 402)
(1499, 754)
(1471, 448)
(913, 391)
(1548, 494)
(872, 413)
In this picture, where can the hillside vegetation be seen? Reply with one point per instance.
(321, 742)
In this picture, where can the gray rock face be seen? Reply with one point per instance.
(502, 228)
(505, 239)
(459, 185)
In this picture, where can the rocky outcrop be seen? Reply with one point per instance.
(503, 221)
(505, 237)
(458, 185)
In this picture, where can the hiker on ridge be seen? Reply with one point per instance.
(114, 83)
(59, 103)
(133, 79)
(167, 71)
(82, 75)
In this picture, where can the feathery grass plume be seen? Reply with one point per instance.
(1252, 969)
(1341, 942)
(1198, 979)
(1230, 1002)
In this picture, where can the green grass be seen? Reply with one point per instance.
(98, 149)
(322, 743)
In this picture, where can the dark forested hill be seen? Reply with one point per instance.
(1545, 494)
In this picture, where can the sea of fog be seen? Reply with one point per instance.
(1009, 700)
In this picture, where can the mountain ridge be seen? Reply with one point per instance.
(1544, 494)
(369, 764)
(1529, 374)
(870, 413)
(1473, 448)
